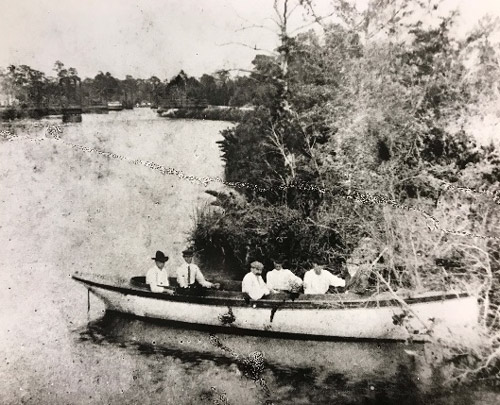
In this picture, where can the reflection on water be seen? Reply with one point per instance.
(295, 371)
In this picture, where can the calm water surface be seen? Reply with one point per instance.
(64, 210)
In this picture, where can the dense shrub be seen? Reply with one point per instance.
(259, 231)
(356, 139)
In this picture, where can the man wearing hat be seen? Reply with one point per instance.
(157, 276)
(318, 281)
(189, 273)
(281, 279)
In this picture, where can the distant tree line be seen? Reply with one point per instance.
(23, 86)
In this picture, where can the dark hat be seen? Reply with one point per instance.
(160, 257)
(188, 252)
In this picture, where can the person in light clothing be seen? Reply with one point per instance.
(253, 284)
(318, 280)
(189, 273)
(157, 276)
(281, 279)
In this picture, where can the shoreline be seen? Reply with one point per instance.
(211, 113)
(17, 113)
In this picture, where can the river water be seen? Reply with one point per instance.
(63, 210)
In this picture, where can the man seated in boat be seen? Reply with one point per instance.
(318, 280)
(361, 264)
(189, 274)
(281, 279)
(157, 276)
(253, 284)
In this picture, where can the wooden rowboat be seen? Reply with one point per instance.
(385, 316)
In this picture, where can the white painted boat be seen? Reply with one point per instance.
(450, 315)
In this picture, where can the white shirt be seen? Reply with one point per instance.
(254, 286)
(282, 280)
(157, 279)
(194, 274)
(319, 284)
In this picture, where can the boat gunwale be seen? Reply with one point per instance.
(284, 301)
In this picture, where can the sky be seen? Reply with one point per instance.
(151, 37)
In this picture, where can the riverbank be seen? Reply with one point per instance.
(212, 113)
(17, 113)
(13, 113)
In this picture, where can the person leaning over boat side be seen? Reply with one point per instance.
(318, 281)
(253, 284)
(157, 276)
(281, 279)
(189, 273)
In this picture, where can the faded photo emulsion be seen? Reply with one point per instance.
(234, 202)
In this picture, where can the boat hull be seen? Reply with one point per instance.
(448, 318)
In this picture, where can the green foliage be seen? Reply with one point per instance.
(379, 108)
(27, 86)
(260, 231)
(217, 90)
(355, 111)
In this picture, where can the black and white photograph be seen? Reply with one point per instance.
(232, 202)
